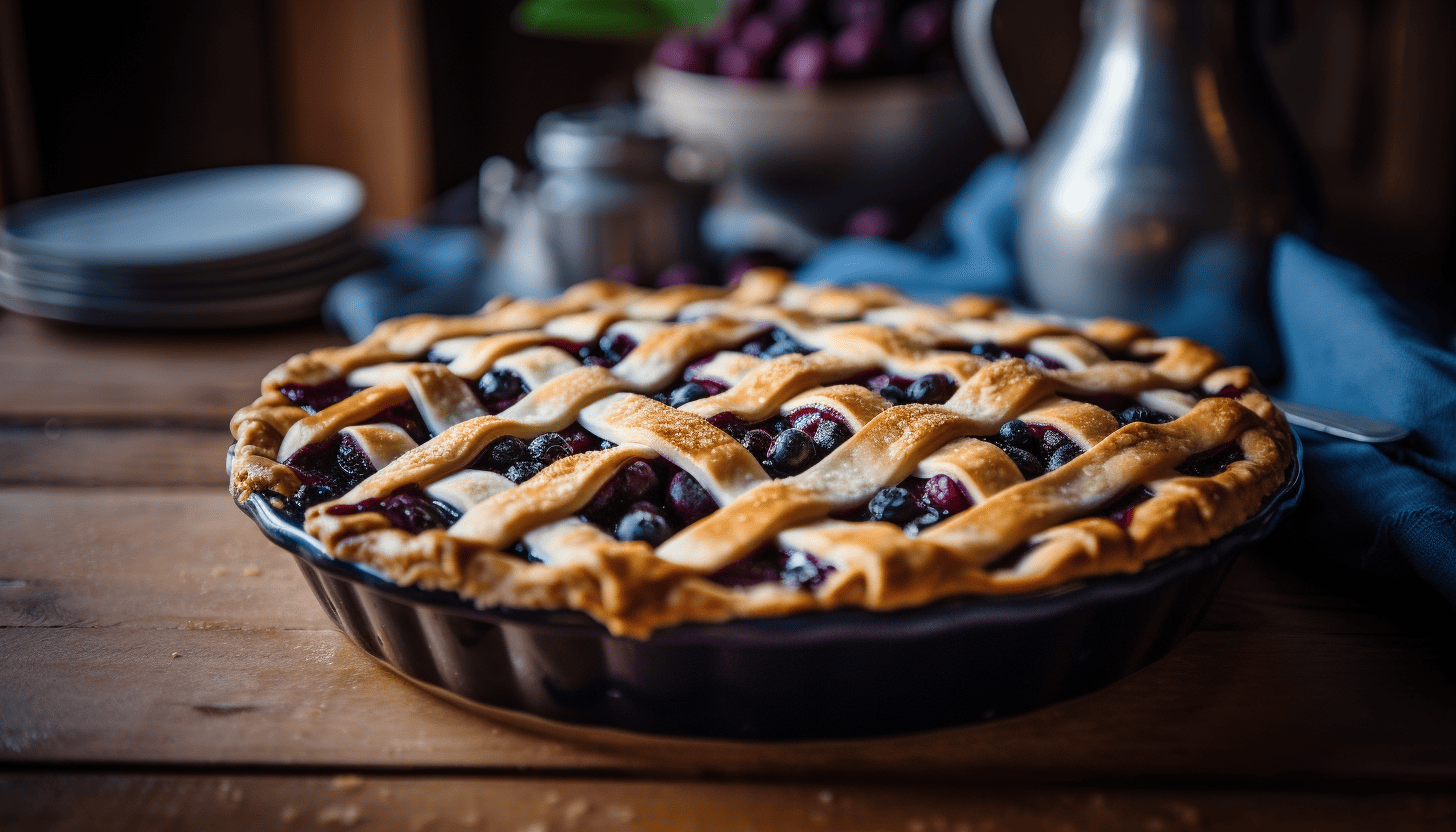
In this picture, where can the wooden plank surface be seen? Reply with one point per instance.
(103, 585)
(254, 801)
(56, 370)
(48, 454)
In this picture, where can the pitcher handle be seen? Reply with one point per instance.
(984, 72)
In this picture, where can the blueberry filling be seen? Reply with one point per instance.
(770, 564)
(648, 501)
(499, 389)
(688, 499)
(1140, 413)
(995, 352)
(329, 469)
(408, 509)
(774, 343)
(789, 444)
(1124, 409)
(406, 415)
(314, 398)
(1010, 559)
(932, 388)
(643, 522)
(1120, 509)
(518, 460)
(1212, 461)
(914, 504)
(606, 351)
(1036, 449)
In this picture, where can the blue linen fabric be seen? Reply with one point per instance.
(1347, 345)
(426, 269)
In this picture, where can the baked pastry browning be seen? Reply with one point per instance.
(703, 453)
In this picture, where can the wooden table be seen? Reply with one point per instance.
(164, 666)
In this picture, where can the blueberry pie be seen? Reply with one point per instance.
(703, 453)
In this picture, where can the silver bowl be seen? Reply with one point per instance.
(821, 154)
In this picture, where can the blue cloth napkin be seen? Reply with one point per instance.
(1347, 345)
(433, 268)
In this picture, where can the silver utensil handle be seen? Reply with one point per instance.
(1343, 425)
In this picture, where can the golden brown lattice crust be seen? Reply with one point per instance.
(1018, 535)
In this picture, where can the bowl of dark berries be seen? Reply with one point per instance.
(824, 109)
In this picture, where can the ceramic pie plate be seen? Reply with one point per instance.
(838, 674)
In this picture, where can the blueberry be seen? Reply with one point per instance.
(636, 481)
(522, 471)
(894, 505)
(503, 453)
(808, 421)
(578, 439)
(800, 568)
(1041, 362)
(893, 394)
(690, 392)
(988, 351)
(447, 512)
(603, 501)
(792, 451)
(929, 518)
(644, 525)
(312, 495)
(615, 347)
(830, 435)
(1051, 439)
(1137, 413)
(758, 443)
(500, 386)
(353, 462)
(779, 348)
(1019, 435)
(1029, 465)
(688, 499)
(1067, 452)
(549, 447)
(934, 388)
(412, 513)
(607, 445)
(944, 495)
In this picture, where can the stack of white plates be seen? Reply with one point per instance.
(225, 247)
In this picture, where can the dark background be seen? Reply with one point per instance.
(93, 94)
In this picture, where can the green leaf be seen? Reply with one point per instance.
(614, 18)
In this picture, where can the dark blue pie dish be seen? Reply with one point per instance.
(844, 673)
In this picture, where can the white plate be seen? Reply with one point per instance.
(241, 279)
(68, 289)
(204, 216)
(268, 309)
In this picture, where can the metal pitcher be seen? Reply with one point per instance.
(1162, 178)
